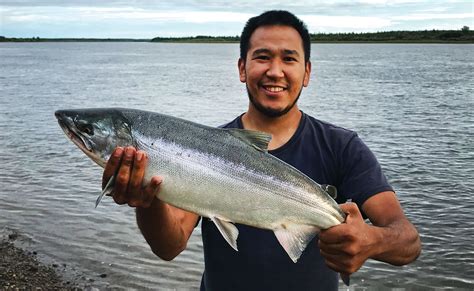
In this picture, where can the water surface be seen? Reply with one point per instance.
(412, 104)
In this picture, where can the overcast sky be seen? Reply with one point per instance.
(148, 19)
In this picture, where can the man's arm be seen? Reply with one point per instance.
(165, 228)
(391, 238)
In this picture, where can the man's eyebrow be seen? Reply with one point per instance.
(261, 51)
(291, 52)
(268, 51)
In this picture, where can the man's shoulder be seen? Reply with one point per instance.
(328, 129)
(235, 123)
(323, 128)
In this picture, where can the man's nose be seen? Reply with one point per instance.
(275, 70)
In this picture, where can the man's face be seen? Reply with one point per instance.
(274, 70)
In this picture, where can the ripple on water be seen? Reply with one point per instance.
(410, 103)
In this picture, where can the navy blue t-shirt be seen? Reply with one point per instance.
(329, 155)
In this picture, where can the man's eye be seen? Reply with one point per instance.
(289, 59)
(262, 58)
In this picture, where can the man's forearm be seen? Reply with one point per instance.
(164, 228)
(397, 243)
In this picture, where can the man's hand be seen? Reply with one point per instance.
(130, 164)
(345, 247)
(166, 228)
(391, 238)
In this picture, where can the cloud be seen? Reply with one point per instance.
(434, 16)
(165, 16)
(123, 13)
(323, 22)
(219, 17)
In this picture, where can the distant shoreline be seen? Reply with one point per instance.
(236, 42)
(463, 35)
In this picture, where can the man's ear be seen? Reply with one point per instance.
(242, 75)
(307, 73)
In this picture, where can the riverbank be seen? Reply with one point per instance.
(21, 268)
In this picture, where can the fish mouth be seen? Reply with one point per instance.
(67, 125)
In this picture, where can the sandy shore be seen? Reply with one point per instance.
(22, 269)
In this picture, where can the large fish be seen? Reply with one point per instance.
(223, 174)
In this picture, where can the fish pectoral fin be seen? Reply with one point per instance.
(257, 139)
(294, 238)
(228, 230)
(109, 187)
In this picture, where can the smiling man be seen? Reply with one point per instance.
(275, 66)
(275, 70)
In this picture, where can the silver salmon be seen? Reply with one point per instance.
(226, 175)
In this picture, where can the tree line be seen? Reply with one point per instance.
(464, 35)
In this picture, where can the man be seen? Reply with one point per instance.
(274, 64)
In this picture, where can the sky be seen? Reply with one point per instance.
(148, 19)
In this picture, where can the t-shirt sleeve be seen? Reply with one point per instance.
(362, 176)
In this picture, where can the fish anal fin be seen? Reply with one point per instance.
(294, 238)
(257, 139)
(228, 230)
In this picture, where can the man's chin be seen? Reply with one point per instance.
(271, 112)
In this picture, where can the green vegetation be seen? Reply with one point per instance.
(199, 38)
(464, 35)
(38, 39)
(437, 36)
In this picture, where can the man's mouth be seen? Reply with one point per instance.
(273, 89)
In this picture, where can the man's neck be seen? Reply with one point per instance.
(281, 128)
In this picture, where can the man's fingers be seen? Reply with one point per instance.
(128, 187)
(136, 177)
(330, 248)
(112, 165)
(351, 209)
(333, 235)
(147, 194)
(153, 187)
(123, 175)
(340, 263)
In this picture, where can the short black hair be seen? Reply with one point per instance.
(275, 17)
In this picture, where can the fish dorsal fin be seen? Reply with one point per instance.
(256, 139)
(228, 231)
(294, 238)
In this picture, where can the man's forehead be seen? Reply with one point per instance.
(276, 38)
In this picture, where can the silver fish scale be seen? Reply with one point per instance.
(215, 141)
(256, 196)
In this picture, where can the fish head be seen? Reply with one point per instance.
(97, 132)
